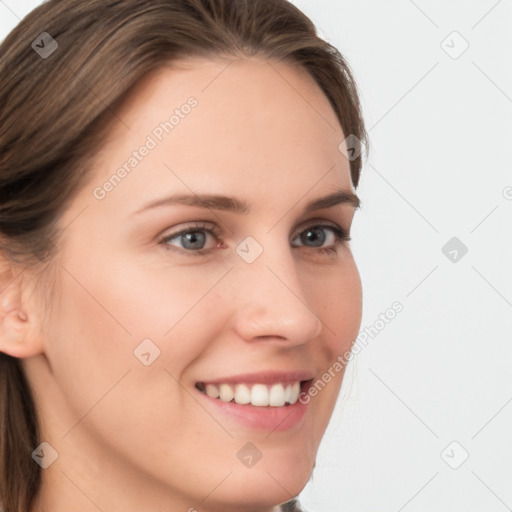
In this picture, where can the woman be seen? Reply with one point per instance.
(176, 193)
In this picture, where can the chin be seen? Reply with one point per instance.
(259, 490)
(274, 479)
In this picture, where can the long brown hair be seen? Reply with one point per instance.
(56, 96)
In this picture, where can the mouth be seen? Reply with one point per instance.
(268, 401)
(256, 394)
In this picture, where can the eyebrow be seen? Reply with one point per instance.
(232, 204)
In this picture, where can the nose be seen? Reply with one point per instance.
(272, 305)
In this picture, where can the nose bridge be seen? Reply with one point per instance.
(272, 301)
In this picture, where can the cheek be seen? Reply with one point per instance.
(102, 316)
(156, 301)
(337, 300)
(89, 347)
(98, 320)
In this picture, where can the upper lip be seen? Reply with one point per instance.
(270, 377)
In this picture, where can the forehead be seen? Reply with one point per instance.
(228, 81)
(255, 123)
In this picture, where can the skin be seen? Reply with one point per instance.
(132, 437)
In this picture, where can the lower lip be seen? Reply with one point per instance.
(269, 419)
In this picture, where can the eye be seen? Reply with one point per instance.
(192, 239)
(315, 237)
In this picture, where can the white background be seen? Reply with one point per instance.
(439, 167)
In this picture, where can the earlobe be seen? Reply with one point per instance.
(16, 333)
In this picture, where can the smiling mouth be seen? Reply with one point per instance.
(256, 394)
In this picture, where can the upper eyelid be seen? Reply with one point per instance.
(215, 230)
(196, 226)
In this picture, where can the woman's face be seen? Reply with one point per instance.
(156, 297)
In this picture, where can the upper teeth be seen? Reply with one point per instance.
(256, 394)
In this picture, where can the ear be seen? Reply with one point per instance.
(19, 319)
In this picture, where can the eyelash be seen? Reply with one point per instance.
(341, 237)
